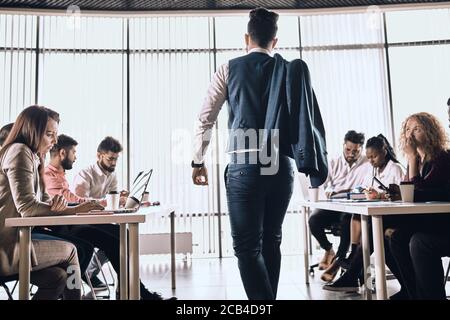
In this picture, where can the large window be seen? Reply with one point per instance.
(345, 55)
(142, 80)
(17, 64)
(82, 75)
(419, 51)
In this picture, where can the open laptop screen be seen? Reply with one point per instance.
(140, 184)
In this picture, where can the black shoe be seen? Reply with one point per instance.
(345, 263)
(155, 296)
(401, 295)
(343, 284)
(98, 285)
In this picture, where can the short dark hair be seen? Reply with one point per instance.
(109, 144)
(4, 132)
(354, 137)
(262, 26)
(448, 102)
(64, 142)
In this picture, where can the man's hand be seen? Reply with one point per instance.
(371, 194)
(58, 203)
(123, 198)
(329, 194)
(88, 206)
(200, 176)
(122, 201)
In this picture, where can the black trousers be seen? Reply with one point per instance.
(105, 237)
(324, 219)
(257, 203)
(413, 251)
(427, 250)
(417, 245)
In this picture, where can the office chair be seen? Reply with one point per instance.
(447, 278)
(4, 280)
(88, 280)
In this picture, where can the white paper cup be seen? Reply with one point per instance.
(313, 194)
(407, 192)
(112, 201)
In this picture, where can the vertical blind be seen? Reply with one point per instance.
(142, 80)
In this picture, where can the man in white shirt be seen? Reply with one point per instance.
(95, 182)
(345, 173)
(98, 179)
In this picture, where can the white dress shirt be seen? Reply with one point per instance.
(392, 173)
(93, 182)
(342, 176)
(215, 98)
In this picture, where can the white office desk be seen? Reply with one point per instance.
(132, 220)
(376, 210)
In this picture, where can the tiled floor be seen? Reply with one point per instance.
(218, 279)
(211, 279)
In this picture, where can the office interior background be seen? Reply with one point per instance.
(141, 77)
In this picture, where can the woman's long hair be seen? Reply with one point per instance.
(436, 139)
(29, 129)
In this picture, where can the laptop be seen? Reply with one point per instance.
(140, 185)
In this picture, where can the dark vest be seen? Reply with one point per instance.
(249, 80)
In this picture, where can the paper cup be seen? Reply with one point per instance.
(112, 200)
(313, 194)
(407, 192)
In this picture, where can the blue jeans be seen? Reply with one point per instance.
(257, 205)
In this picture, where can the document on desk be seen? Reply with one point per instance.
(95, 213)
(357, 200)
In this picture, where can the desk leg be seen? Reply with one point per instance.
(172, 249)
(366, 256)
(380, 271)
(24, 264)
(123, 284)
(305, 242)
(134, 261)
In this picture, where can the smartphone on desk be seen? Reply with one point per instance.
(393, 189)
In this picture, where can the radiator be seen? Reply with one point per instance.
(159, 243)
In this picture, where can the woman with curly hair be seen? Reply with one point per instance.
(424, 143)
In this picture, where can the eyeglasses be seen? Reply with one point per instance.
(111, 159)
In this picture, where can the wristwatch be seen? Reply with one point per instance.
(197, 165)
